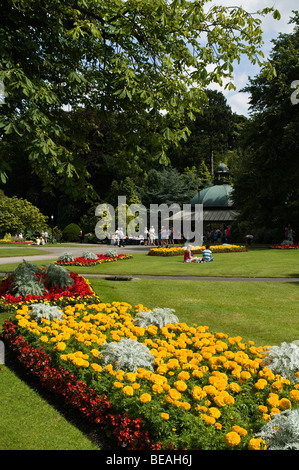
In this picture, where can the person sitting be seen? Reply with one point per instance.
(207, 255)
(189, 258)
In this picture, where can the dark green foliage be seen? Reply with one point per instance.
(71, 233)
(266, 184)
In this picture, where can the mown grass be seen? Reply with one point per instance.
(254, 263)
(21, 251)
(30, 422)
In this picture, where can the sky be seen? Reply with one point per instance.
(271, 28)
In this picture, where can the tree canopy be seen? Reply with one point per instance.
(266, 187)
(139, 68)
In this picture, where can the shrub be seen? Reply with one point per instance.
(71, 233)
(158, 317)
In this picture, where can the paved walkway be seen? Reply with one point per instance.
(77, 250)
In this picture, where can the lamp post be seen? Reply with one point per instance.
(52, 227)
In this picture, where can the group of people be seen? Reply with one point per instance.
(164, 237)
(218, 235)
(42, 239)
(207, 256)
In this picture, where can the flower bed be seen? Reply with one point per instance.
(82, 261)
(176, 251)
(285, 247)
(79, 290)
(202, 390)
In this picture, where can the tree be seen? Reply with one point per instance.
(19, 215)
(139, 66)
(266, 186)
(212, 135)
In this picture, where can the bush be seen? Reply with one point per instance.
(71, 233)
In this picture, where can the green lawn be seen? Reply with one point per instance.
(254, 263)
(29, 422)
(21, 251)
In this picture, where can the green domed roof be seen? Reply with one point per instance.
(214, 196)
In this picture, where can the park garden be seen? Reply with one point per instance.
(124, 347)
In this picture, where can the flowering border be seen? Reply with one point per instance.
(80, 289)
(81, 261)
(129, 432)
(178, 251)
(285, 247)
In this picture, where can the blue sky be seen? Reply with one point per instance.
(271, 28)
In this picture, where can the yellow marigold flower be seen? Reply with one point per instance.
(277, 386)
(267, 374)
(180, 385)
(218, 426)
(256, 444)
(44, 339)
(285, 404)
(174, 394)
(261, 384)
(145, 398)
(244, 376)
(136, 386)
(294, 395)
(198, 374)
(232, 439)
(185, 405)
(263, 409)
(157, 388)
(239, 430)
(60, 346)
(214, 412)
(130, 377)
(234, 387)
(198, 393)
(273, 400)
(184, 375)
(118, 384)
(274, 411)
(96, 367)
(128, 390)
(223, 399)
(211, 390)
(208, 419)
(164, 415)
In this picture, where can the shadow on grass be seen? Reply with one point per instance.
(73, 416)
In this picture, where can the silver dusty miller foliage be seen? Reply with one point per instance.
(158, 317)
(127, 354)
(283, 360)
(50, 312)
(282, 432)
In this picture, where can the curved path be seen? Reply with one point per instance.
(53, 252)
